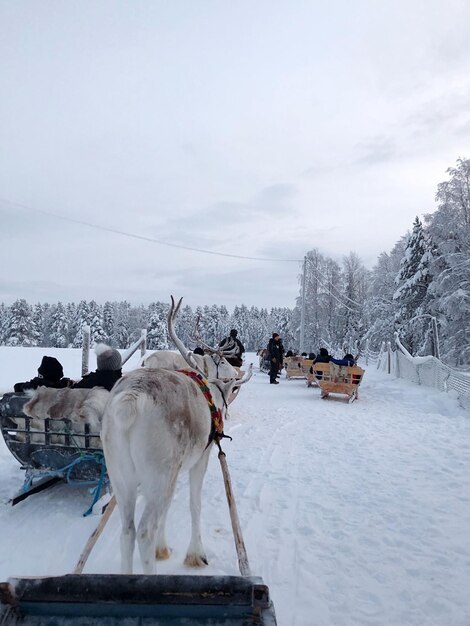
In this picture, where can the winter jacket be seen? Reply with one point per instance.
(348, 362)
(39, 381)
(275, 351)
(100, 378)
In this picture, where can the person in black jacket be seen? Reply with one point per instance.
(109, 370)
(50, 374)
(322, 357)
(275, 356)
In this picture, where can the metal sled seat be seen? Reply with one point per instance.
(340, 379)
(50, 448)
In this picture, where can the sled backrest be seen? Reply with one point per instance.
(329, 372)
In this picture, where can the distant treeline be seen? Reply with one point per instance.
(424, 278)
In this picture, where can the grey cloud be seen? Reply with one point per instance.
(375, 150)
(270, 201)
(448, 113)
(252, 281)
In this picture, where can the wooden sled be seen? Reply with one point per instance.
(297, 366)
(332, 378)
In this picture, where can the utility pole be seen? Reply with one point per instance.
(302, 308)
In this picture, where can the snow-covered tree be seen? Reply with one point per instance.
(109, 317)
(122, 333)
(157, 334)
(412, 286)
(82, 318)
(449, 227)
(97, 332)
(19, 329)
(58, 332)
(38, 324)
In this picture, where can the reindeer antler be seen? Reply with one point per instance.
(197, 339)
(185, 353)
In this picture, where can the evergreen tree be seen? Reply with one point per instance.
(97, 333)
(38, 324)
(121, 336)
(58, 329)
(413, 280)
(19, 325)
(109, 316)
(82, 318)
(157, 334)
(184, 327)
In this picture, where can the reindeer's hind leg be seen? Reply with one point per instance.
(125, 490)
(122, 474)
(158, 497)
(196, 556)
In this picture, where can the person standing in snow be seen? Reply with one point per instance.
(109, 370)
(275, 356)
(236, 359)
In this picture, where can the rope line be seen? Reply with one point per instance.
(124, 233)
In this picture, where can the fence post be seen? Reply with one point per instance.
(389, 357)
(85, 349)
(143, 345)
(437, 352)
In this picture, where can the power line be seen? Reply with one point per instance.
(144, 237)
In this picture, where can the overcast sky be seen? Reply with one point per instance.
(253, 128)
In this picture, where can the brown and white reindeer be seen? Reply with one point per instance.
(158, 422)
(79, 406)
(213, 363)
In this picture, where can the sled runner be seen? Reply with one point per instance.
(340, 379)
(50, 449)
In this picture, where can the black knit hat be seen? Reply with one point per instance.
(275, 335)
(233, 332)
(50, 368)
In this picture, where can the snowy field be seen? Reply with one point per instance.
(353, 514)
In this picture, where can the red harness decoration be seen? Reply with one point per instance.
(217, 422)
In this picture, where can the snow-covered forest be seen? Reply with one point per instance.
(425, 278)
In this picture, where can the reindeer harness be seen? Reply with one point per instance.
(217, 422)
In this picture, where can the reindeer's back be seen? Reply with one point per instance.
(156, 404)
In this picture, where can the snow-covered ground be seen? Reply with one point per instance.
(353, 514)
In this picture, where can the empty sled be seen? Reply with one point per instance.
(297, 366)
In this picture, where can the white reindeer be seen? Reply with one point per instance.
(158, 422)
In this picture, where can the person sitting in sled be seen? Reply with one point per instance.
(322, 357)
(108, 370)
(50, 374)
(348, 360)
(232, 341)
